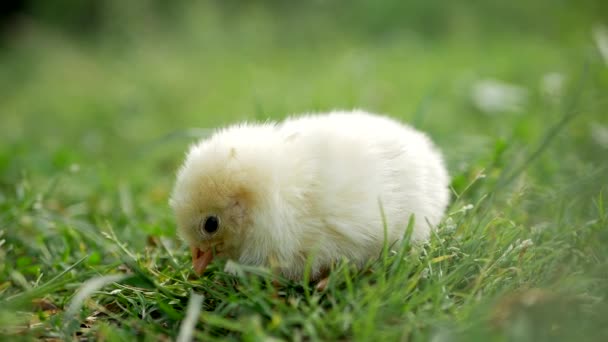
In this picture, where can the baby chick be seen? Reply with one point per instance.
(320, 185)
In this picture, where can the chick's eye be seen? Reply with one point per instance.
(211, 224)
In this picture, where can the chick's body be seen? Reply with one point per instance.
(318, 185)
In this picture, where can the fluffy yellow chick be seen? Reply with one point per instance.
(277, 193)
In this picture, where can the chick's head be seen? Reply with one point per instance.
(213, 199)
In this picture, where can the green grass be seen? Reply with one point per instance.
(93, 128)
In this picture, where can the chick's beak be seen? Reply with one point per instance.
(201, 259)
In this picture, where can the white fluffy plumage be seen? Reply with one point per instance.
(273, 194)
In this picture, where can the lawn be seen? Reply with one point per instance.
(94, 123)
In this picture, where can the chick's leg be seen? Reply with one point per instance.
(322, 284)
(323, 280)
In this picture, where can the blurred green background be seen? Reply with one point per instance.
(104, 82)
(99, 100)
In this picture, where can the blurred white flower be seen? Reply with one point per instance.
(493, 96)
(525, 244)
(450, 226)
(74, 168)
(552, 85)
(599, 134)
(600, 34)
(464, 209)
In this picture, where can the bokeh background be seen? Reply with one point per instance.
(125, 86)
(100, 99)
